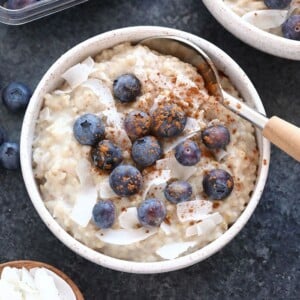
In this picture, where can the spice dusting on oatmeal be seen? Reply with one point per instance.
(149, 169)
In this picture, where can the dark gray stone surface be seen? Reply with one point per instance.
(262, 262)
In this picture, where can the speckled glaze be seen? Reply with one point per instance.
(250, 34)
(52, 79)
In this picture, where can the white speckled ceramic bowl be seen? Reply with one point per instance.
(252, 35)
(52, 79)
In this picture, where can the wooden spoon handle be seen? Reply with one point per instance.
(284, 135)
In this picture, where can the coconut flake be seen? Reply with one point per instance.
(208, 223)
(65, 291)
(173, 250)
(113, 117)
(178, 171)
(125, 236)
(45, 285)
(193, 210)
(79, 73)
(266, 19)
(105, 191)
(166, 228)
(192, 128)
(220, 154)
(11, 275)
(86, 197)
(154, 179)
(101, 91)
(129, 219)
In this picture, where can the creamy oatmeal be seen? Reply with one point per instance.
(279, 17)
(72, 186)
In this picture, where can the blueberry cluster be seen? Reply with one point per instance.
(15, 97)
(146, 131)
(291, 27)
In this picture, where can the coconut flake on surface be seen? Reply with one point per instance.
(193, 210)
(177, 170)
(266, 19)
(154, 179)
(173, 250)
(62, 92)
(125, 236)
(192, 128)
(129, 219)
(220, 154)
(87, 195)
(208, 224)
(166, 228)
(113, 117)
(105, 191)
(79, 73)
(101, 90)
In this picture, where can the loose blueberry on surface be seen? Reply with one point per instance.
(16, 96)
(277, 4)
(217, 184)
(168, 121)
(178, 191)
(216, 137)
(125, 180)
(137, 124)
(291, 28)
(151, 212)
(88, 129)
(188, 153)
(16, 4)
(106, 155)
(2, 135)
(126, 88)
(146, 151)
(104, 214)
(10, 156)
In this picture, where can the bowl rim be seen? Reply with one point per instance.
(250, 34)
(115, 37)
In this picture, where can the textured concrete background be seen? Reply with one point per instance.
(261, 263)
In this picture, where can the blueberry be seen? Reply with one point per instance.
(277, 4)
(217, 184)
(216, 137)
(137, 124)
(151, 212)
(291, 28)
(126, 88)
(178, 191)
(16, 4)
(188, 153)
(104, 214)
(168, 121)
(125, 180)
(2, 135)
(10, 156)
(16, 96)
(106, 155)
(88, 129)
(146, 151)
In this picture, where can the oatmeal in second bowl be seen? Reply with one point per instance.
(272, 26)
(134, 164)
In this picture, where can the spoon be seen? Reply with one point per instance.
(281, 133)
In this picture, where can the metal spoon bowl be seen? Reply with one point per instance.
(281, 133)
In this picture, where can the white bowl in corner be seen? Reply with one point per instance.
(253, 36)
(52, 79)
